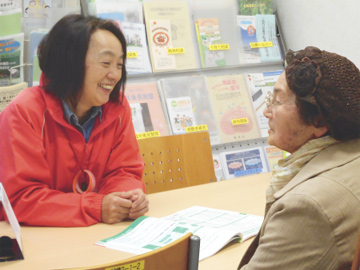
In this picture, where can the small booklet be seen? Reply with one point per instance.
(215, 227)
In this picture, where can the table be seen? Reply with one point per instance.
(58, 248)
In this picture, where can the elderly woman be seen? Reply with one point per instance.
(312, 216)
(68, 151)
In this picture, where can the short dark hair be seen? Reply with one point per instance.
(62, 54)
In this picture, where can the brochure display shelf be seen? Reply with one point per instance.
(178, 60)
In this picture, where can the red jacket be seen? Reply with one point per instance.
(40, 154)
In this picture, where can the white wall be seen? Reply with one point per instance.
(332, 25)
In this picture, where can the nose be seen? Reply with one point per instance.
(267, 111)
(115, 73)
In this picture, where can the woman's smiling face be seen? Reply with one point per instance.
(103, 69)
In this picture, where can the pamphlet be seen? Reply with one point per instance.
(215, 227)
(194, 87)
(11, 59)
(247, 28)
(208, 33)
(233, 108)
(136, 44)
(160, 40)
(180, 114)
(243, 162)
(266, 32)
(168, 26)
(258, 30)
(147, 112)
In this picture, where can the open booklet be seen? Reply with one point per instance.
(215, 227)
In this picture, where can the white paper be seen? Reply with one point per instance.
(215, 228)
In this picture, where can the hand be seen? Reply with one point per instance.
(140, 203)
(116, 207)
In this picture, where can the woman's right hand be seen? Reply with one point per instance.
(116, 207)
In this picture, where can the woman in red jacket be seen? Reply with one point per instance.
(68, 151)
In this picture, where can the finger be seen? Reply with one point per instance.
(139, 204)
(121, 202)
(139, 200)
(135, 215)
(123, 194)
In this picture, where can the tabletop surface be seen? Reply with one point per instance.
(59, 248)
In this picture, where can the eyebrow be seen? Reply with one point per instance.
(277, 90)
(109, 52)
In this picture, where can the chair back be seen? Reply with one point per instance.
(177, 161)
(356, 261)
(182, 254)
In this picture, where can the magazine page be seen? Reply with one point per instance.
(232, 107)
(243, 162)
(195, 88)
(8, 93)
(215, 227)
(259, 84)
(146, 107)
(11, 59)
(168, 27)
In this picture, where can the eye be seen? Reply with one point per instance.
(106, 63)
(276, 103)
(120, 65)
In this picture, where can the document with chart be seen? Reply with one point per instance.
(215, 227)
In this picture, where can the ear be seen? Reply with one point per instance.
(320, 131)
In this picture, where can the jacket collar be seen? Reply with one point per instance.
(110, 111)
(333, 156)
